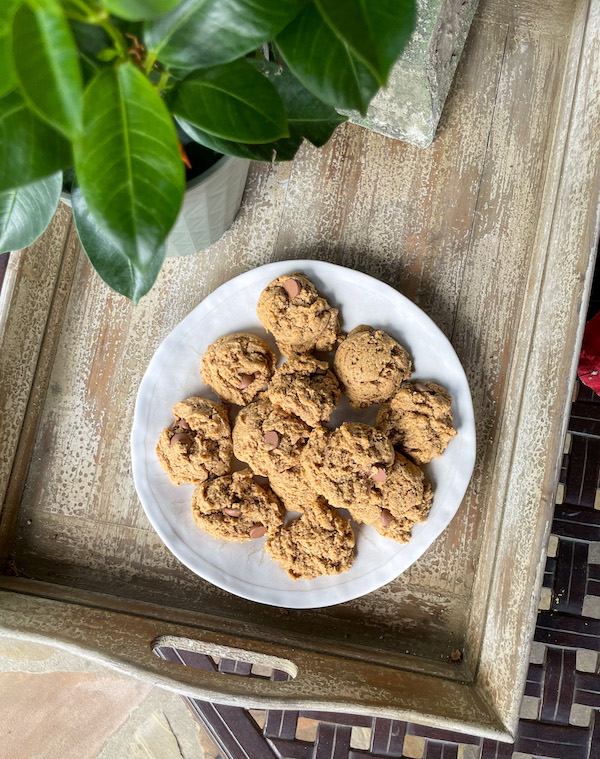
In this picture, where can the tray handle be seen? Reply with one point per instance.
(144, 647)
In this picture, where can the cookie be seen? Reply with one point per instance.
(198, 444)
(398, 529)
(236, 507)
(293, 489)
(403, 490)
(344, 465)
(299, 318)
(320, 542)
(370, 366)
(238, 366)
(306, 387)
(267, 438)
(418, 419)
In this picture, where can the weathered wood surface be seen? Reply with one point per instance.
(109, 637)
(489, 231)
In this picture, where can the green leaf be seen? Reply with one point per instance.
(29, 148)
(308, 117)
(47, 64)
(90, 40)
(108, 259)
(324, 63)
(140, 10)
(209, 32)
(128, 162)
(227, 147)
(108, 54)
(8, 81)
(232, 102)
(375, 31)
(26, 212)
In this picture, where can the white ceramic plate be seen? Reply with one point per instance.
(174, 374)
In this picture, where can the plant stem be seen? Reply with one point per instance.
(114, 34)
(149, 62)
(162, 82)
(82, 7)
(77, 16)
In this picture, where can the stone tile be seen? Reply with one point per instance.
(414, 747)
(22, 651)
(586, 661)
(360, 737)
(530, 708)
(63, 715)
(161, 727)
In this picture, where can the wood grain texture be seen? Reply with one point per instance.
(490, 231)
(40, 275)
(568, 236)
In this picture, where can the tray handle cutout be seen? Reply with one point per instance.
(224, 659)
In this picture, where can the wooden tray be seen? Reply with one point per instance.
(491, 231)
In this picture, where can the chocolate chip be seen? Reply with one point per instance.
(271, 439)
(257, 531)
(386, 517)
(292, 287)
(373, 333)
(245, 380)
(423, 388)
(378, 474)
(183, 423)
(181, 437)
(232, 512)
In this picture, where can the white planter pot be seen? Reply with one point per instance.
(210, 205)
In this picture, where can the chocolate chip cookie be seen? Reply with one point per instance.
(236, 507)
(306, 387)
(268, 438)
(398, 529)
(418, 419)
(299, 318)
(347, 465)
(403, 490)
(238, 366)
(198, 444)
(320, 542)
(371, 366)
(292, 487)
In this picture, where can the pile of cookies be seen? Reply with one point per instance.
(372, 472)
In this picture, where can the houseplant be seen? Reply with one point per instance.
(104, 85)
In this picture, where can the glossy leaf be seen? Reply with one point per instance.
(8, 80)
(232, 102)
(227, 147)
(29, 148)
(210, 32)
(140, 10)
(128, 162)
(308, 116)
(375, 31)
(47, 64)
(90, 41)
(107, 258)
(324, 63)
(26, 212)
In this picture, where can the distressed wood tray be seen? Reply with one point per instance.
(491, 231)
